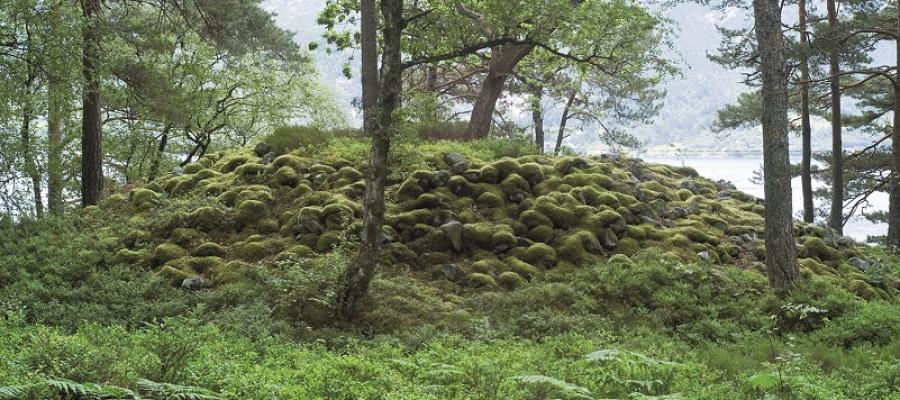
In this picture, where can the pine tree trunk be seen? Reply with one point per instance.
(836, 220)
(369, 65)
(893, 237)
(55, 116)
(503, 60)
(537, 117)
(359, 274)
(91, 156)
(564, 119)
(805, 126)
(781, 260)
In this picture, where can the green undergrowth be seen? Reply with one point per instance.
(517, 277)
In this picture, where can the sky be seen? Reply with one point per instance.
(688, 110)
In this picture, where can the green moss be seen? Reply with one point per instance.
(209, 249)
(605, 219)
(488, 174)
(166, 252)
(511, 280)
(540, 254)
(231, 272)
(322, 169)
(679, 240)
(684, 194)
(286, 176)
(502, 240)
(182, 187)
(328, 241)
(506, 167)
(251, 251)
(350, 174)
(863, 289)
(637, 232)
(130, 257)
(251, 211)
(479, 235)
(207, 218)
(206, 263)
(533, 218)
(233, 162)
(251, 172)
(489, 266)
(579, 179)
(408, 219)
(172, 275)
(397, 253)
(479, 280)
(409, 189)
(490, 200)
(515, 183)
(541, 233)
(192, 168)
(522, 268)
(532, 172)
(579, 248)
(698, 235)
(562, 217)
(143, 198)
(628, 246)
(814, 266)
(288, 160)
(818, 249)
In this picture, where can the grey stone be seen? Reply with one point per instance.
(608, 239)
(690, 185)
(451, 272)
(472, 175)
(177, 171)
(704, 255)
(458, 163)
(268, 158)
(440, 179)
(859, 263)
(453, 230)
(262, 149)
(193, 283)
(516, 197)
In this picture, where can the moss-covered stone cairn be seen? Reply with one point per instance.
(494, 224)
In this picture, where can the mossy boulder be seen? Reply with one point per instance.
(817, 248)
(522, 268)
(540, 254)
(166, 252)
(144, 199)
(328, 241)
(511, 280)
(479, 280)
(287, 176)
(130, 257)
(251, 211)
(209, 249)
(207, 218)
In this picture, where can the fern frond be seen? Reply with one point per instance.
(566, 389)
(13, 392)
(176, 392)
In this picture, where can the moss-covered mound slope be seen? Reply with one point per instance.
(452, 214)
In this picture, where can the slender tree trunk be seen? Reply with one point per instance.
(359, 274)
(503, 61)
(91, 154)
(564, 119)
(369, 67)
(836, 220)
(55, 116)
(537, 117)
(893, 237)
(781, 260)
(805, 127)
(28, 161)
(160, 152)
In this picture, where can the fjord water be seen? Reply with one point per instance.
(740, 171)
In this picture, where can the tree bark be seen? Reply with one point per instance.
(781, 260)
(893, 237)
(564, 119)
(91, 155)
(537, 117)
(805, 126)
(369, 65)
(836, 220)
(503, 61)
(359, 274)
(55, 115)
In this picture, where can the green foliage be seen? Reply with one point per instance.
(308, 139)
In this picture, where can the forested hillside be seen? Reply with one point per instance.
(189, 212)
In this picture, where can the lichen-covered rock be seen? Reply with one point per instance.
(453, 230)
(286, 176)
(579, 248)
(143, 198)
(817, 248)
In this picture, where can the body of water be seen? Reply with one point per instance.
(740, 171)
